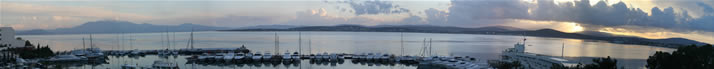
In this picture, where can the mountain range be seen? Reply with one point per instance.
(113, 26)
(496, 30)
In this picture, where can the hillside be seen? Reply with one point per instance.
(112, 26)
(494, 30)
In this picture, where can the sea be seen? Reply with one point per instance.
(483, 47)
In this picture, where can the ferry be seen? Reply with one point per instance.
(532, 60)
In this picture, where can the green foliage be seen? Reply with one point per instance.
(31, 52)
(686, 57)
(600, 63)
(27, 43)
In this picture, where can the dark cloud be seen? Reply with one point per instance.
(599, 15)
(705, 7)
(470, 12)
(374, 7)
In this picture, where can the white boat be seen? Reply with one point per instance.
(129, 66)
(325, 56)
(218, 56)
(228, 56)
(317, 56)
(239, 57)
(333, 57)
(295, 56)
(164, 65)
(286, 57)
(257, 56)
(204, 57)
(267, 57)
(531, 60)
(65, 58)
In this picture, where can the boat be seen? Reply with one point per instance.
(333, 57)
(204, 57)
(227, 57)
(325, 56)
(257, 56)
(267, 57)
(239, 57)
(129, 66)
(65, 58)
(286, 57)
(532, 60)
(296, 56)
(218, 56)
(164, 65)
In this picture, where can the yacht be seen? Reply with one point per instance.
(129, 66)
(202, 57)
(65, 58)
(227, 57)
(164, 65)
(286, 57)
(239, 57)
(218, 56)
(296, 56)
(257, 56)
(325, 56)
(333, 57)
(267, 57)
(532, 60)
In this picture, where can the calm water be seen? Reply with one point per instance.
(481, 46)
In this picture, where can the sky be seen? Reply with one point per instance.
(692, 19)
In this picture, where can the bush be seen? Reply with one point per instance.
(687, 57)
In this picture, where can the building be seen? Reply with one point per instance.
(8, 39)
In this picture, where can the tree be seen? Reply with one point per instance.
(28, 43)
(599, 63)
(686, 57)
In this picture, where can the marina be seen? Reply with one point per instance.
(355, 55)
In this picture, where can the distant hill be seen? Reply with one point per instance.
(494, 30)
(269, 27)
(113, 26)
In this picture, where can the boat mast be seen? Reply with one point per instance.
(562, 50)
(91, 45)
(423, 47)
(430, 54)
(83, 46)
(401, 41)
(277, 46)
(299, 42)
(309, 45)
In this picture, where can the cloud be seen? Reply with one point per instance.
(436, 16)
(371, 7)
(478, 12)
(489, 12)
(23, 16)
(320, 17)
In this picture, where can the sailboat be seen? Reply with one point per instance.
(91, 52)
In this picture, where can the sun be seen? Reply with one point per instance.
(570, 27)
(577, 28)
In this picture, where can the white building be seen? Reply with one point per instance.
(7, 38)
